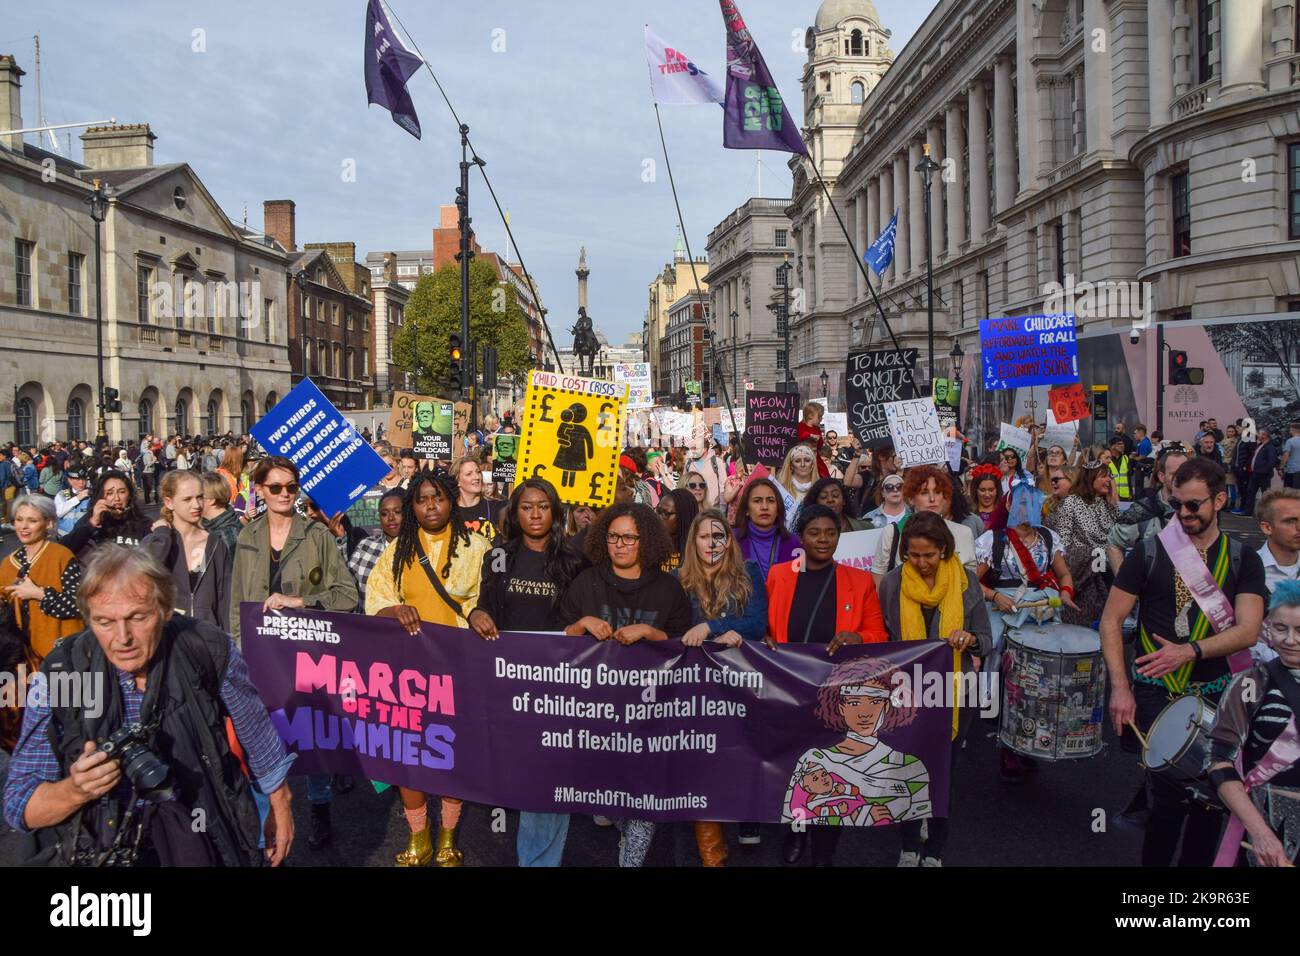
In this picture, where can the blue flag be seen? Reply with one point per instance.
(389, 64)
(881, 253)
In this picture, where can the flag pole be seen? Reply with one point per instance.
(862, 266)
(708, 323)
(487, 182)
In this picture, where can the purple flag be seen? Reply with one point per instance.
(389, 64)
(754, 115)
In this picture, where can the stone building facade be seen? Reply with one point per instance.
(1150, 144)
(676, 279)
(193, 304)
(745, 252)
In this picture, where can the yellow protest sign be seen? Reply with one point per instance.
(571, 434)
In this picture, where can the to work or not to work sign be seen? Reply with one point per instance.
(572, 432)
(1028, 350)
(914, 425)
(335, 465)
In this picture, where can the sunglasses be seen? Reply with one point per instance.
(893, 486)
(694, 486)
(1059, 478)
(276, 490)
(1191, 507)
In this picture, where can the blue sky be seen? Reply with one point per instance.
(276, 104)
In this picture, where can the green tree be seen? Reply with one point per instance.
(433, 316)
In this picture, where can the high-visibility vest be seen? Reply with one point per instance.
(1120, 477)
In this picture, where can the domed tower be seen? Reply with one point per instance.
(848, 53)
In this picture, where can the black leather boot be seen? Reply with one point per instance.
(320, 833)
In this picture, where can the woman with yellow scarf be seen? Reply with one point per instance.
(931, 596)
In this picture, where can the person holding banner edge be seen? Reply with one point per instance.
(285, 561)
(429, 573)
(525, 595)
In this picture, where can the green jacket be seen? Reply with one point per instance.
(311, 567)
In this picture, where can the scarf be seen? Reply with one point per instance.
(764, 548)
(950, 584)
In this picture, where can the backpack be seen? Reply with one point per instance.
(1149, 558)
(1025, 504)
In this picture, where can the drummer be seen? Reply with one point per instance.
(1257, 720)
(1019, 566)
(1179, 651)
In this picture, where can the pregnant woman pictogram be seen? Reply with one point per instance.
(575, 444)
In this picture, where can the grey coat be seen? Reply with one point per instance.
(977, 615)
(210, 599)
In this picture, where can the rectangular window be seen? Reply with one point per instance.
(781, 278)
(1058, 242)
(23, 253)
(1204, 41)
(1181, 195)
(268, 317)
(782, 238)
(143, 296)
(365, 364)
(335, 311)
(781, 318)
(76, 265)
(1293, 182)
(984, 290)
(780, 359)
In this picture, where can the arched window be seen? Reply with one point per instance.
(858, 92)
(24, 422)
(245, 417)
(212, 416)
(182, 416)
(856, 45)
(76, 412)
(146, 417)
(271, 399)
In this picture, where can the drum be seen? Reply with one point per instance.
(1178, 744)
(1053, 692)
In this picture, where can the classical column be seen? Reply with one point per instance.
(1241, 27)
(1029, 136)
(1043, 124)
(1098, 74)
(977, 133)
(1282, 45)
(953, 169)
(861, 239)
(916, 207)
(874, 226)
(1005, 155)
(1160, 60)
(886, 191)
(902, 197)
(1078, 122)
(934, 138)
(1182, 34)
(819, 256)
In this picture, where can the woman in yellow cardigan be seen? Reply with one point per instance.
(40, 578)
(431, 545)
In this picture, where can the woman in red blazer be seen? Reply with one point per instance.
(813, 600)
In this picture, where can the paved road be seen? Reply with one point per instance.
(1061, 816)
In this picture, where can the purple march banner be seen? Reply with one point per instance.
(653, 731)
(754, 115)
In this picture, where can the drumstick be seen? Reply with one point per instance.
(1247, 846)
(1046, 602)
(1142, 740)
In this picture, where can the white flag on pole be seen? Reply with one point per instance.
(674, 79)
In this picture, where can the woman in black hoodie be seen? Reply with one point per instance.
(198, 559)
(625, 596)
(115, 517)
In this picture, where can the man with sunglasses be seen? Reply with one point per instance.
(1180, 650)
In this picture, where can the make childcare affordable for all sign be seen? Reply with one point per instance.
(1027, 350)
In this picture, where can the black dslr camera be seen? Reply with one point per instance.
(149, 776)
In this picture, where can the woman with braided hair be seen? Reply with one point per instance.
(429, 572)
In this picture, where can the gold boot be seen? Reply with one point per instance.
(418, 852)
(447, 854)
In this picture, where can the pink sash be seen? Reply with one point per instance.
(1284, 753)
(1206, 593)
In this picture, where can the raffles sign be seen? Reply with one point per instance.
(872, 380)
(654, 731)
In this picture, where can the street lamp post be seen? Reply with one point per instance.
(927, 167)
(957, 355)
(785, 269)
(735, 353)
(98, 201)
(300, 280)
(826, 379)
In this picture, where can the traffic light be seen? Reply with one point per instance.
(489, 369)
(111, 401)
(1179, 371)
(453, 356)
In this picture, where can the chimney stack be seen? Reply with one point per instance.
(118, 147)
(11, 104)
(278, 222)
(390, 267)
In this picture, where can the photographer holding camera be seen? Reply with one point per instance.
(138, 769)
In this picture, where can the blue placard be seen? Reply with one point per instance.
(1027, 350)
(335, 465)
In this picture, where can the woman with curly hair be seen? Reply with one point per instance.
(430, 572)
(115, 516)
(831, 493)
(625, 596)
(861, 780)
